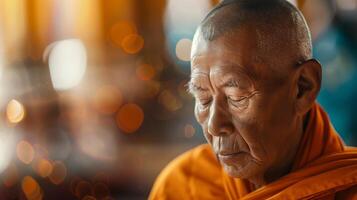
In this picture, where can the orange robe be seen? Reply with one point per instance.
(323, 169)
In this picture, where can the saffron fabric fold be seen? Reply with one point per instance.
(323, 169)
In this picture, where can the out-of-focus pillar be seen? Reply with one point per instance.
(13, 28)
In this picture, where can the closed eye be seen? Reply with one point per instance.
(235, 99)
(204, 102)
(240, 101)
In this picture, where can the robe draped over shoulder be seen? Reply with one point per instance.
(323, 168)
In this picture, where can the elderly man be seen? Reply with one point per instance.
(255, 84)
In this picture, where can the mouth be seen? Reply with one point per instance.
(230, 158)
(229, 155)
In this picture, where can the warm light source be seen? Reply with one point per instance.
(183, 49)
(13, 26)
(107, 99)
(97, 143)
(130, 117)
(59, 173)
(68, 62)
(15, 111)
(25, 152)
(44, 168)
(145, 72)
(83, 188)
(132, 43)
(31, 188)
(120, 30)
(170, 101)
(151, 89)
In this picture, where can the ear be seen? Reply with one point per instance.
(308, 85)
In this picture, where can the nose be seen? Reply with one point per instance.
(220, 119)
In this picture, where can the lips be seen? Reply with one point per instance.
(230, 158)
(227, 154)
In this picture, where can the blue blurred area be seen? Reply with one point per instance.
(338, 57)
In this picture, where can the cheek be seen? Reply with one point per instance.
(261, 128)
(250, 133)
(252, 128)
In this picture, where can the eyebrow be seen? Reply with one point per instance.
(230, 83)
(193, 88)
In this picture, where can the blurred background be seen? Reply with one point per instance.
(93, 100)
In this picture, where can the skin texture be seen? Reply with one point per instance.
(252, 96)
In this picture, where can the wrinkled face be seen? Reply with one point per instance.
(246, 113)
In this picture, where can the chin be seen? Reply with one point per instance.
(242, 171)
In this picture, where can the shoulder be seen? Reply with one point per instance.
(197, 166)
(182, 167)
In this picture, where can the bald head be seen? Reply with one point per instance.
(279, 26)
(254, 81)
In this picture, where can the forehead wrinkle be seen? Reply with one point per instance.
(229, 82)
(197, 79)
(233, 80)
(237, 70)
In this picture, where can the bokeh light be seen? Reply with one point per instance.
(13, 27)
(130, 117)
(130, 62)
(31, 188)
(151, 89)
(120, 30)
(98, 143)
(43, 167)
(15, 111)
(181, 18)
(83, 188)
(170, 101)
(25, 152)
(107, 99)
(189, 131)
(59, 173)
(68, 62)
(346, 4)
(73, 184)
(145, 72)
(183, 49)
(132, 43)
